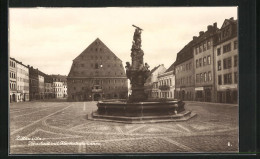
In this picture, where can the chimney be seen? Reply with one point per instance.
(210, 27)
(201, 33)
(215, 25)
(232, 18)
(194, 37)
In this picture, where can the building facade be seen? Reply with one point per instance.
(204, 67)
(184, 73)
(166, 83)
(48, 89)
(41, 86)
(22, 82)
(34, 83)
(97, 73)
(59, 86)
(65, 90)
(151, 84)
(12, 80)
(226, 63)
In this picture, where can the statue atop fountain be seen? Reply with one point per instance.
(138, 108)
(138, 72)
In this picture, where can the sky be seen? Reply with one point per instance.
(50, 38)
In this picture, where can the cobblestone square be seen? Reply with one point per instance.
(62, 127)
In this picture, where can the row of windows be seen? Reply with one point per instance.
(226, 32)
(227, 63)
(57, 80)
(23, 71)
(98, 57)
(167, 82)
(59, 95)
(112, 95)
(97, 65)
(57, 85)
(22, 79)
(162, 94)
(206, 61)
(100, 81)
(227, 78)
(26, 88)
(203, 77)
(227, 48)
(206, 45)
(100, 87)
(12, 85)
(184, 80)
(184, 67)
(12, 75)
(57, 89)
(96, 73)
(12, 64)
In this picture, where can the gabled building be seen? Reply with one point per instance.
(226, 62)
(166, 83)
(203, 62)
(184, 73)
(97, 73)
(151, 83)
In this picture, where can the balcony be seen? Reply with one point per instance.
(164, 87)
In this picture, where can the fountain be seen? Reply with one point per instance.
(138, 108)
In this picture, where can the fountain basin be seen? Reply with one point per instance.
(140, 112)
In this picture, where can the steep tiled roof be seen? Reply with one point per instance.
(62, 78)
(171, 68)
(154, 69)
(185, 53)
(97, 60)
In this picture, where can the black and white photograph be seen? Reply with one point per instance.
(122, 80)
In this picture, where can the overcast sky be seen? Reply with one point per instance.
(50, 38)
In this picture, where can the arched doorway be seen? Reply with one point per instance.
(97, 97)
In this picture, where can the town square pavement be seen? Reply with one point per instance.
(59, 127)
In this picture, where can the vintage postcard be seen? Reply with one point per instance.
(123, 80)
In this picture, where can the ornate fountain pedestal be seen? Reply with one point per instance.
(138, 109)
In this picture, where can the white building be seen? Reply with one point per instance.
(59, 85)
(166, 84)
(226, 63)
(22, 82)
(151, 86)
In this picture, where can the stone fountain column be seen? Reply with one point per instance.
(137, 72)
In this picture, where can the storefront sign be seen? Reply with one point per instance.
(199, 89)
(228, 86)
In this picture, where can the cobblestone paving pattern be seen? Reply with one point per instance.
(63, 128)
